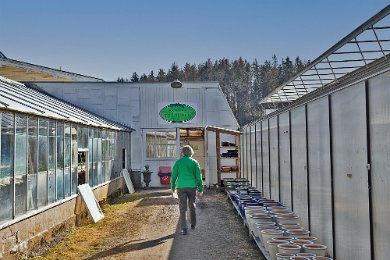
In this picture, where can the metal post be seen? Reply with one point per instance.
(331, 175)
(291, 162)
(307, 169)
(367, 90)
(278, 137)
(269, 160)
(14, 164)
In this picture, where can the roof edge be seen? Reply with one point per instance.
(44, 69)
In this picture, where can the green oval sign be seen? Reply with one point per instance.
(177, 113)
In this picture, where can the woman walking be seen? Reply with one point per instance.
(187, 179)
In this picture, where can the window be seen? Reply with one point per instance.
(60, 161)
(67, 156)
(74, 149)
(21, 165)
(160, 144)
(52, 161)
(42, 162)
(32, 162)
(6, 165)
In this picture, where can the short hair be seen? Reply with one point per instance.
(187, 150)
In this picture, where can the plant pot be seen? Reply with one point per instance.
(283, 238)
(259, 228)
(301, 242)
(292, 228)
(310, 255)
(317, 249)
(147, 178)
(273, 247)
(289, 219)
(283, 256)
(298, 233)
(258, 218)
(289, 248)
(288, 224)
(267, 235)
(313, 239)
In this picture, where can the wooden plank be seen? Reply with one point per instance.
(222, 130)
(218, 147)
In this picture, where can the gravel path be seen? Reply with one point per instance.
(144, 225)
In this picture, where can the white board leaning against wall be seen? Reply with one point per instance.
(92, 205)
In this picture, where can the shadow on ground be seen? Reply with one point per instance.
(139, 195)
(130, 246)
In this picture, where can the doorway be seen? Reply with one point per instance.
(194, 137)
(82, 167)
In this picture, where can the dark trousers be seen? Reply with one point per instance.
(186, 194)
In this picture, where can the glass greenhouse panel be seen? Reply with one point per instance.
(42, 162)
(60, 161)
(52, 162)
(67, 155)
(6, 163)
(21, 165)
(32, 163)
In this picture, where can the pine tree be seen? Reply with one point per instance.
(174, 73)
(161, 77)
(143, 78)
(134, 77)
(151, 77)
(189, 72)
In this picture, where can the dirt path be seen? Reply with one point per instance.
(144, 225)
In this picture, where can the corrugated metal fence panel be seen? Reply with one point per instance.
(253, 155)
(284, 160)
(349, 149)
(248, 152)
(320, 172)
(265, 147)
(379, 96)
(258, 155)
(299, 164)
(244, 155)
(274, 157)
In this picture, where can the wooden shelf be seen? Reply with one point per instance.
(232, 145)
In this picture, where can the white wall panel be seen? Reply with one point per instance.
(248, 154)
(253, 156)
(349, 149)
(284, 153)
(259, 157)
(265, 147)
(274, 158)
(320, 171)
(379, 96)
(299, 164)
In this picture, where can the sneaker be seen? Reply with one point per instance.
(184, 231)
(192, 227)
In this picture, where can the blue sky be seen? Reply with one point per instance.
(114, 38)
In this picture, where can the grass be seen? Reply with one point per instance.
(88, 240)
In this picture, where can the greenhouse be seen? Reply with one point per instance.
(48, 148)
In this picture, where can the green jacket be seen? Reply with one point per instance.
(186, 174)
